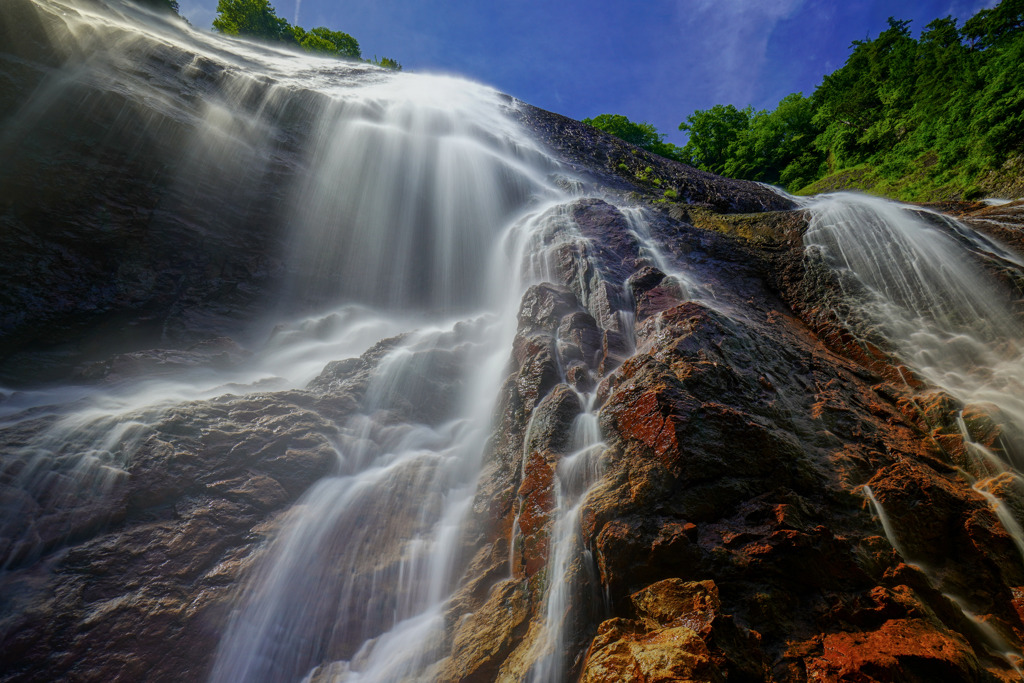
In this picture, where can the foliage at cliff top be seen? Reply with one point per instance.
(640, 134)
(258, 19)
(914, 118)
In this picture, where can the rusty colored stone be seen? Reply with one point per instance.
(901, 649)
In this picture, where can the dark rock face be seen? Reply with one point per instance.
(153, 576)
(738, 446)
(730, 532)
(114, 214)
(616, 164)
(735, 463)
(152, 567)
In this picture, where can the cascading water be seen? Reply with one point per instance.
(916, 282)
(419, 214)
(403, 196)
(396, 473)
(285, 626)
(576, 473)
(688, 288)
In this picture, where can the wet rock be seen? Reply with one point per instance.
(613, 251)
(486, 637)
(729, 535)
(594, 267)
(671, 654)
(603, 156)
(674, 602)
(714, 471)
(956, 522)
(909, 650)
(218, 353)
(534, 378)
(543, 306)
(547, 439)
(421, 385)
(580, 377)
(653, 292)
(152, 566)
(579, 339)
(667, 641)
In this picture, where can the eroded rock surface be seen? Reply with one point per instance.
(733, 531)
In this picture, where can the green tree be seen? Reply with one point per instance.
(999, 109)
(864, 106)
(991, 27)
(311, 43)
(387, 63)
(777, 146)
(342, 44)
(712, 132)
(643, 135)
(925, 114)
(252, 18)
(257, 19)
(639, 134)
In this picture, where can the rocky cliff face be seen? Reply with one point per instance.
(774, 494)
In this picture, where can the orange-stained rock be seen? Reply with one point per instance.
(537, 498)
(643, 419)
(900, 650)
(1018, 601)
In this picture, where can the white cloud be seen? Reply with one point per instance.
(732, 36)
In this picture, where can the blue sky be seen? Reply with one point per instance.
(652, 60)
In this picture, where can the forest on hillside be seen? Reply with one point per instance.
(913, 118)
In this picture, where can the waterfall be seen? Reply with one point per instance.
(346, 355)
(577, 472)
(412, 213)
(928, 288)
(916, 282)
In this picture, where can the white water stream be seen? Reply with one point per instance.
(576, 473)
(420, 208)
(914, 282)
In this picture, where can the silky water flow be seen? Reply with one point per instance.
(420, 214)
(916, 283)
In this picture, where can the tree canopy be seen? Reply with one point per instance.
(712, 133)
(253, 19)
(323, 39)
(258, 19)
(640, 134)
(777, 146)
(942, 109)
